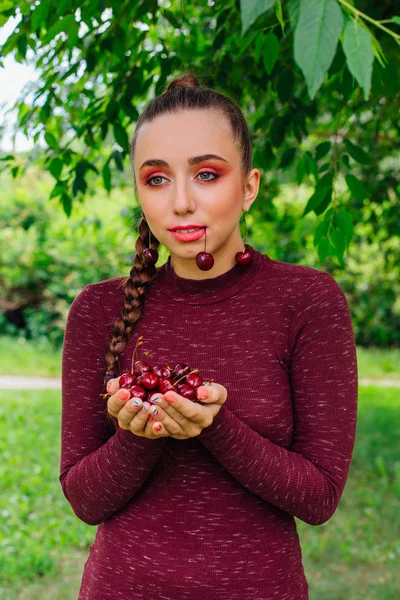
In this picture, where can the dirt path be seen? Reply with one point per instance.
(15, 382)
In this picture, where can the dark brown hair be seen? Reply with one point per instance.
(182, 93)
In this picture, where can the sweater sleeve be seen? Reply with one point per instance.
(101, 468)
(308, 479)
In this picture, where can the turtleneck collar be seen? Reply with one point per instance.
(210, 290)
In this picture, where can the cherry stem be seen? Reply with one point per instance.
(195, 371)
(138, 342)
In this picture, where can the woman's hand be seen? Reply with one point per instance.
(130, 413)
(178, 416)
(182, 418)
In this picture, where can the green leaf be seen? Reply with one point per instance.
(357, 46)
(322, 150)
(247, 40)
(58, 27)
(293, 7)
(38, 17)
(250, 10)
(323, 249)
(107, 176)
(55, 167)
(270, 51)
(396, 20)
(66, 201)
(345, 225)
(315, 39)
(316, 199)
(121, 137)
(51, 140)
(258, 46)
(287, 158)
(339, 243)
(118, 158)
(357, 153)
(321, 231)
(356, 187)
(300, 170)
(279, 15)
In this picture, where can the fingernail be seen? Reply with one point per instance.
(157, 426)
(109, 386)
(169, 398)
(203, 394)
(155, 399)
(145, 406)
(154, 410)
(123, 394)
(136, 402)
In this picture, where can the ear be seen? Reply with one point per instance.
(251, 187)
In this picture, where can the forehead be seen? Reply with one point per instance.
(175, 136)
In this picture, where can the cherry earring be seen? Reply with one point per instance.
(150, 255)
(245, 257)
(204, 260)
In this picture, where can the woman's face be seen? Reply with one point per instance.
(178, 184)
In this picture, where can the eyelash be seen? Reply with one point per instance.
(216, 176)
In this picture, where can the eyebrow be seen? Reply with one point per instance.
(194, 160)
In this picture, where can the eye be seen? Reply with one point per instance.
(154, 177)
(148, 182)
(209, 173)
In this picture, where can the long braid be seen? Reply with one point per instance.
(135, 288)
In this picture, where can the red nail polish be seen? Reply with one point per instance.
(169, 398)
(157, 426)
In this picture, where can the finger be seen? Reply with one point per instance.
(214, 393)
(157, 429)
(113, 385)
(160, 415)
(117, 401)
(190, 411)
(139, 420)
(128, 411)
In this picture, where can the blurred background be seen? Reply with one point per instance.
(319, 86)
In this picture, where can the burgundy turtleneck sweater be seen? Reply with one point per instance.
(279, 337)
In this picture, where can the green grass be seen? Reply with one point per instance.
(378, 363)
(43, 545)
(40, 360)
(31, 358)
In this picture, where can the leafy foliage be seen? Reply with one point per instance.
(318, 81)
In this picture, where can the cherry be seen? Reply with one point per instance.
(165, 384)
(204, 260)
(180, 369)
(194, 380)
(127, 380)
(148, 380)
(142, 367)
(138, 391)
(163, 371)
(187, 391)
(244, 258)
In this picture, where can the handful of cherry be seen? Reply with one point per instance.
(144, 380)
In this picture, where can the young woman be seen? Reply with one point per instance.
(196, 498)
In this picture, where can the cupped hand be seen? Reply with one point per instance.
(178, 416)
(183, 418)
(131, 413)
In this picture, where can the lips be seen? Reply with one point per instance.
(189, 226)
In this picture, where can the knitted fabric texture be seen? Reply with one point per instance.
(279, 337)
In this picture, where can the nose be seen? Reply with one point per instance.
(183, 198)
